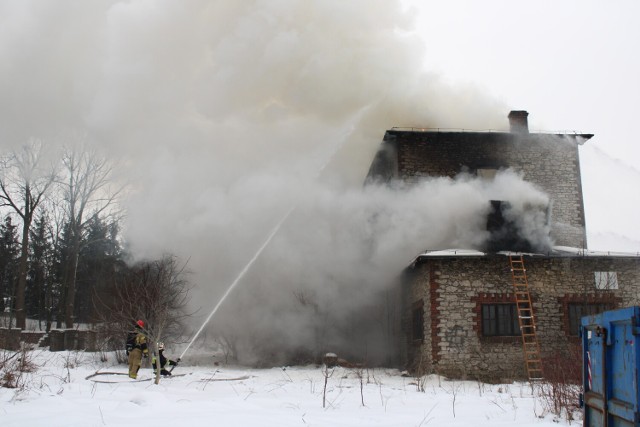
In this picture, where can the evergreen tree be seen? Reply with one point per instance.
(97, 262)
(60, 272)
(9, 253)
(39, 279)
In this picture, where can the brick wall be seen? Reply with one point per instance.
(454, 289)
(551, 162)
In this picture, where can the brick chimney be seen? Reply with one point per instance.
(518, 121)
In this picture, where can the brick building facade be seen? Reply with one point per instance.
(460, 315)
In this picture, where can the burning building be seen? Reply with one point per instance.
(503, 308)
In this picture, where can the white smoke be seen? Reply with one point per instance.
(333, 261)
(223, 113)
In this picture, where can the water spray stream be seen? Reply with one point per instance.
(240, 276)
(268, 239)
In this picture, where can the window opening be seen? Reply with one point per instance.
(500, 320)
(486, 173)
(417, 322)
(606, 280)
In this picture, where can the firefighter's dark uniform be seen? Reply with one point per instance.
(163, 362)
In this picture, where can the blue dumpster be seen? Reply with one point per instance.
(610, 368)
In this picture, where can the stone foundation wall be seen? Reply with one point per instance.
(31, 337)
(457, 288)
(10, 339)
(56, 340)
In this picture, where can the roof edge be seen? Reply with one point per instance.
(556, 252)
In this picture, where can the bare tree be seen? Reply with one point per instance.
(228, 342)
(25, 179)
(327, 372)
(154, 291)
(359, 371)
(88, 191)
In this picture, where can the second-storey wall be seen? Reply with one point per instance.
(551, 162)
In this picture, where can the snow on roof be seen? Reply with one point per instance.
(453, 252)
(556, 251)
(586, 252)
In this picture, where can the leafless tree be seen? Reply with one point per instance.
(88, 191)
(25, 178)
(228, 342)
(156, 292)
(359, 371)
(327, 372)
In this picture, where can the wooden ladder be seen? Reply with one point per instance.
(526, 320)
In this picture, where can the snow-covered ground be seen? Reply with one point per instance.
(59, 394)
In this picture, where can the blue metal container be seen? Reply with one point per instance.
(610, 368)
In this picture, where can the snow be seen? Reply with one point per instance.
(556, 250)
(589, 253)
(58, 394)
(454, 252)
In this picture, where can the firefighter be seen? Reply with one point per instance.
(136, 348)
(163, 361)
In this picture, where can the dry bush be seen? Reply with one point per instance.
(111, 339)
(156, 292)
(122, 357)
(14, 365)
(228, 344)
(420, 370)
(560, 390)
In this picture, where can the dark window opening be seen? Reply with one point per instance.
(487, 173)
(576, 311)
(417, 322)
(500, 320)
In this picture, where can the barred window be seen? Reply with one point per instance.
(606, 279)
(500, 320)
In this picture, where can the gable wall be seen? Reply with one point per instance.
(548, 161)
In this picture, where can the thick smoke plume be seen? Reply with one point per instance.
(222, 116)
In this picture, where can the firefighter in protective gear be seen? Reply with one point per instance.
(136, 348)
(163, 361)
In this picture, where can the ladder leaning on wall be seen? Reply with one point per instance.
(526, 320)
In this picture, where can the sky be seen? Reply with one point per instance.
(572, 65)
(222, 117)
(58, 394)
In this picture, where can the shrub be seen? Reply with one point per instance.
(560, 390)
(14, 365)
